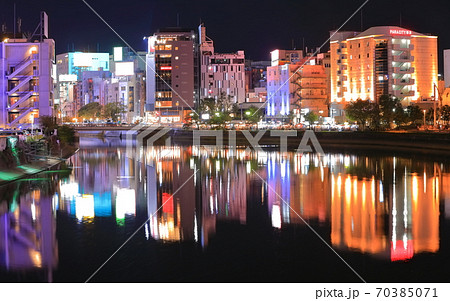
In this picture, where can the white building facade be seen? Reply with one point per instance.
(447, 67)
(221, 73)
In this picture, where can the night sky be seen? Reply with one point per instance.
(254, 26)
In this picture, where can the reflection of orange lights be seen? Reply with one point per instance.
(348, 191)
(36, 258)
(415, 191)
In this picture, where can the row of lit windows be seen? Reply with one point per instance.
(359, 45)
(163, 104)
(359, 56)
(163, 47)
(163, 94)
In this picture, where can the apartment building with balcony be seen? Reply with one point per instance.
(384, 60)
(296, 87)
(26, 84)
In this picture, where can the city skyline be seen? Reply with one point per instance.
(289, 23)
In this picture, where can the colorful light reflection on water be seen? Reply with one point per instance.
(388, 208)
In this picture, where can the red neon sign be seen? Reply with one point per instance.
(400, 32)
(166, 68)
(402, 252)
(167, 203)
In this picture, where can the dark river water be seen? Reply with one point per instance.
(210, 215)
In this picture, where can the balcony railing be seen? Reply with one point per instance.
(402, 47)
(22, 65)
(403, 70)
(404, 81)
(403, 58)
(400, 93)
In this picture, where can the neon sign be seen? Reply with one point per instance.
(400, 32)
(166, 68)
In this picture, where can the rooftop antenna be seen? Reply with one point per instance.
(19, 25)
(293, 46)
(14, 20)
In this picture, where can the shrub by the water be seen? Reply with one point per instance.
(66, 134)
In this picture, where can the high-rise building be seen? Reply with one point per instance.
(447, 67)
(384, 60)
(172, 68)
(26, 83)
(221, 73)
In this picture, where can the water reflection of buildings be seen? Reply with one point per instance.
(102, 185)
(28, 231)
(381, 206)
(396, 214)
(378, 206)
(193, 193)
(384, 206)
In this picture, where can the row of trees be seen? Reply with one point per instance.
(95, 110)
(223, 110)
(389, 113)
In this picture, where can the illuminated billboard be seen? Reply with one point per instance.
(400, 32)
(89, 61)
(124, 68)
(67, 77)
(82, 59)
(118, 54)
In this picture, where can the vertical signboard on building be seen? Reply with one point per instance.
(44, 24)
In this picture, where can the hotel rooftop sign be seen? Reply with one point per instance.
(400, 32)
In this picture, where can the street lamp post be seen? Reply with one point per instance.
(32, 124)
